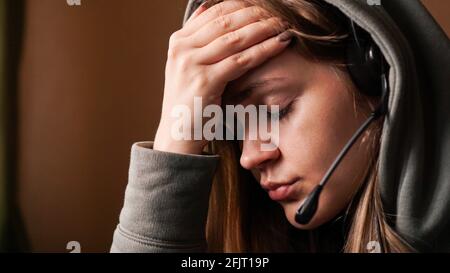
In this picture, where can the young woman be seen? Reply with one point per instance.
(389, 193)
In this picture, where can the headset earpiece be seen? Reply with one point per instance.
(365, 62)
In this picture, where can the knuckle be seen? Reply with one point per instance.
(217, 10)
(174, 51)
(241, 60)
(262, 48)
(200, 81)
(258, 12)
(276, 24)
(232, 38)
(175, 46)
(271, 21)
(223, 22)
(185, 62)
(174, 37)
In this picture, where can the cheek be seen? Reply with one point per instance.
(316, 131)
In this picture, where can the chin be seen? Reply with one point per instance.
(291, 209)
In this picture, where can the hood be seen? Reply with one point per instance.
(414, 166)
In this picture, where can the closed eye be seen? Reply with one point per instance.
(283, 112)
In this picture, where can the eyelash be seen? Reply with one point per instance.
(284, 112)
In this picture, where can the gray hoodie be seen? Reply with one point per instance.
(166, 199)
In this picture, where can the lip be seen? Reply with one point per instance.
(280, 191)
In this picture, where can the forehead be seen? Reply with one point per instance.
(284, 65)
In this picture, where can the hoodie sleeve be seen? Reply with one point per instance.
(166, 202)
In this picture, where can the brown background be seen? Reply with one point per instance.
(91, 84)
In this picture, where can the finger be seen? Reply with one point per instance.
(236, 41)
(227, 23)
(210, 14)
(198, 11)
(237, 65)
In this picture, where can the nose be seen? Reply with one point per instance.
(254, 157)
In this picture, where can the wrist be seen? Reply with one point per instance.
(165, 143)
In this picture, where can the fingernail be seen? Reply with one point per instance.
(209, 3)
(285, 36)
(203, 6)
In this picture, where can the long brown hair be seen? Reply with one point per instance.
(242, 218)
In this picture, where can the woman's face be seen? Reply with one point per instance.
(318, 117)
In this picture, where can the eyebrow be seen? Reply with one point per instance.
(248, 89)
